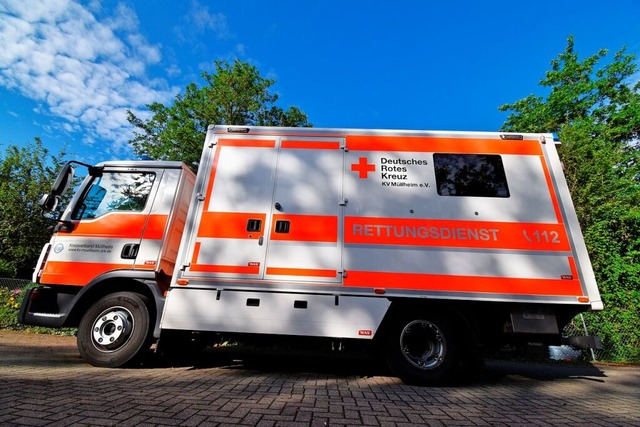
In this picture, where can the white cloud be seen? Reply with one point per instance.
(198, 21)
(205, 20)
(173, 70)
(86, 70)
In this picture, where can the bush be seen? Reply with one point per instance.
(10, 301)
(618, 326)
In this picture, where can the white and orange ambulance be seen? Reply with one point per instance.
(430, 244)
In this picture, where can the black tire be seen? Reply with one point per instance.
(115, 331)
(421, 348)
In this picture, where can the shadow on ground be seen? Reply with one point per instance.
(346, 363)
(30, 350)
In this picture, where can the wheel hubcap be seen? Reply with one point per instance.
(112, 329)
(423, 344)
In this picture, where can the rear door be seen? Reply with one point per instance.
(230, 239)
(304, 242)
(271, 210)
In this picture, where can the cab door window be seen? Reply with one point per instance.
(114, 192)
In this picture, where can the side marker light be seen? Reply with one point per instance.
(511, 136)
(238, 130)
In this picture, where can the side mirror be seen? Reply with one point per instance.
(49, 202)
(63, 181)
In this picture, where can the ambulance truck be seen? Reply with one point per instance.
(431, 245)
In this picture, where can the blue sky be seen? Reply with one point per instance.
(70, 69)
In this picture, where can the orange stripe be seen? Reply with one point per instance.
(311, 145)
(307, 228)
(552, 193)
(155, 227)
(122, 226)
(574, 269)
(301, 272)
(260, 143)
(77, 273)
(476, 284)
(450, 233)
(229, 225)
(212, 175)
(210, 268)
(114, 225)
(196, 252)
(442, 145)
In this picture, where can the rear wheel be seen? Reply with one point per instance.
(115, 331)
(422, 349)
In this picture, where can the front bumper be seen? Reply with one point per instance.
(45, 306)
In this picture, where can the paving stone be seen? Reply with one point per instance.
(46, 383)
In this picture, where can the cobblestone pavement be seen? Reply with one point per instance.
(43, 381)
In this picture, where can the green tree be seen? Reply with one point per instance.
(235, 94)
(25, 174)
(594, 107)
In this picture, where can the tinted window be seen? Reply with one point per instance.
(115, 191)
(475, 175)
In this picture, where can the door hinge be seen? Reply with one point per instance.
(185, 266)
(200, 197)
(343, 273)
(344, 202)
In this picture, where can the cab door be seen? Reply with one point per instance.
(103, 229)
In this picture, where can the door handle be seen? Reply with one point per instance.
(282, 226)
(254, 225)
(130, 251)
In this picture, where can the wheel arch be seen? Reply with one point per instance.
(456, 313)
(119, 281)
(461, 321)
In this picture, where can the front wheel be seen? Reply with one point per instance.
(422, 349)
(115, 331)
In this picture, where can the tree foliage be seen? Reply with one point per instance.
(235, 94)
(593, 105)
(25, 174)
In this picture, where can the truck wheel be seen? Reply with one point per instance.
(115, 331)
(422, 349)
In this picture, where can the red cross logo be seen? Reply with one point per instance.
(363, 168)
